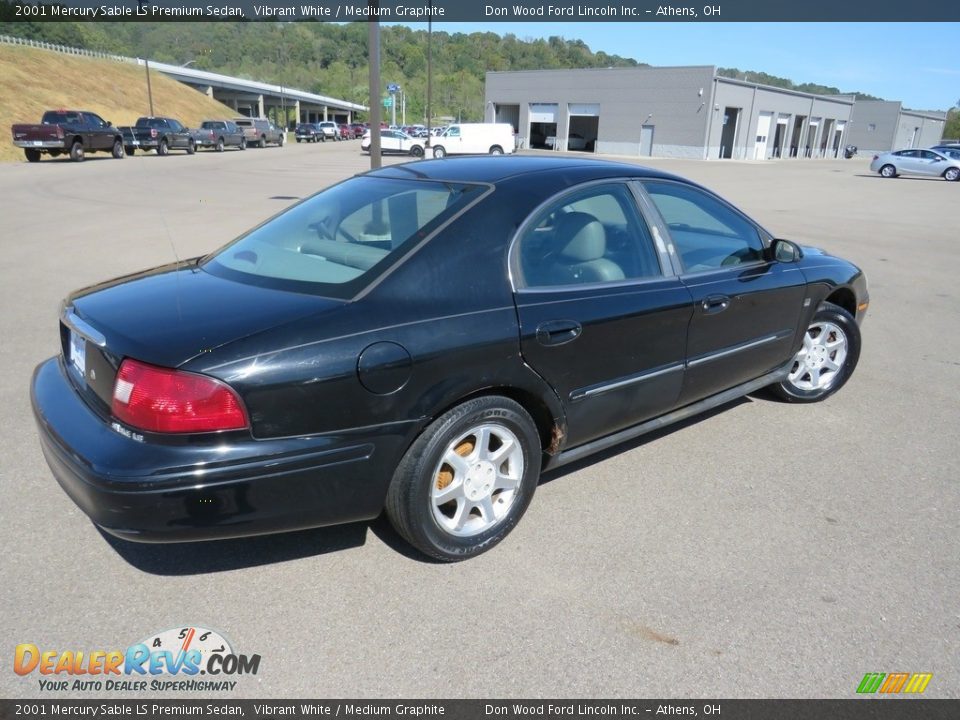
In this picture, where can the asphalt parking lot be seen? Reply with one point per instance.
(765, 550)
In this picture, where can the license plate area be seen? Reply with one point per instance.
(77, 360)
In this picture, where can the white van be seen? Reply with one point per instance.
(474, 138)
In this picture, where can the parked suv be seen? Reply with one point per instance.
(261, 132)
(308, 132)
(330, 130)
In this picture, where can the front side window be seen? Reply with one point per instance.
(340, 240)
(707, 233)
(594, 235)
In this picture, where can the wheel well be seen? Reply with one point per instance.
(845, 298)
(550, 433)
(76, 139)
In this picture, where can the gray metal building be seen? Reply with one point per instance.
(881, 125)
(666, 112)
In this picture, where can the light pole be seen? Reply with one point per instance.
(373, 42)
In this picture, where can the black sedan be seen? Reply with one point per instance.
(426, 339)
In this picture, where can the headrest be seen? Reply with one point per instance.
(581, 237)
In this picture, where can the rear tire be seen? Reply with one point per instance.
(416, 151)
(466, 481)
(129, 150)
(243, 143)
(831, 349)
(118, 151)
(76, 151)
(439, 151)
(496, 150)
(262, 143)
(219, 146)
(888, 171)
(32, 155)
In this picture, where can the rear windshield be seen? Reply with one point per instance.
(213, 125)
(337, 242)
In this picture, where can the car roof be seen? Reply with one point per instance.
(493, 169)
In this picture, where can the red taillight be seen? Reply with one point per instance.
(170, 401)
(153, 132)
(59, 132)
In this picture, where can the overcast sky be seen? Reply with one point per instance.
(917, 63)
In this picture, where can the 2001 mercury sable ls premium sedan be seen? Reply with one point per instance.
(427, 338)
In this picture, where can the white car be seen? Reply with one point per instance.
(394, 142)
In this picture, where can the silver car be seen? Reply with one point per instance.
(916, 162)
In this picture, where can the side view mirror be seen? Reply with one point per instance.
(785, 251)
(109, 124)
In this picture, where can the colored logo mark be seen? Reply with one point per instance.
(893, 683)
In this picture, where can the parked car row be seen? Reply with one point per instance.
(938, 161)
(328, 130)
(77, 132)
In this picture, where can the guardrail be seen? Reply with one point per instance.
(65, 49)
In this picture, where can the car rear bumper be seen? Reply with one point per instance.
(216, 487)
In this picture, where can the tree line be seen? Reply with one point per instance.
(331, 59)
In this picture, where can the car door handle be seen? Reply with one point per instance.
(558, 332)
(714, 304)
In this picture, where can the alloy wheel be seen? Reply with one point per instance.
(821, 358)
(477, 479)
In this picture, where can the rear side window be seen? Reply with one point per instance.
(340, 240)
(594, 235)
(707, 233)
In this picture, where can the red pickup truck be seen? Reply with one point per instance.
(76, 132)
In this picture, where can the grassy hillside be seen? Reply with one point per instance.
(32, 81)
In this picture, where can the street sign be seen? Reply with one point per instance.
(388, 102)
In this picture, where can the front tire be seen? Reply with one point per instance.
(191, 148)
(888, 171)
(496, 150)
(219, 145)
(439, 151)
(467, 480)
(118, 151)
(416, 151)
(831, 349)
(952, 174)
(262, 143)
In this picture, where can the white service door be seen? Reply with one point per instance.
(763, 133)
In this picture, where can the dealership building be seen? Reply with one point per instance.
(686, 112)
(880, 125)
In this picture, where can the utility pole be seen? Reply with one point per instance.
(149, 89)
(429, 72)
(373, 42)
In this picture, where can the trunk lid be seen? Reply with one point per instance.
(166, 316)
